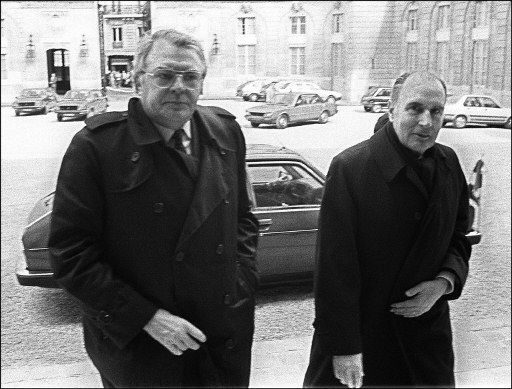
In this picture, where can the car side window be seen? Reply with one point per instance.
(471, 102)
(284, 185)
(487, 102)
(315, 100)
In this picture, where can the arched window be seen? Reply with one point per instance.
(410, 24)
(442, 44)
(480, 44)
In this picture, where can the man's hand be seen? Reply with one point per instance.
(425, 296)
(348, 369)
(173, 332)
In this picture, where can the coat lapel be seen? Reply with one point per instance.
(212, 185)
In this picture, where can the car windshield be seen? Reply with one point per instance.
(282, 99)
(75, 94)
(371, 91)
(32, 93)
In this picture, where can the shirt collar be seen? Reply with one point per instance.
(164, 130)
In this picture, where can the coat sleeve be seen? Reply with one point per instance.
(337, 275)
(248, 225)
(459, 251)
(77, 253)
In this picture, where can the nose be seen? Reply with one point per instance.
(178, 83)
(425, 119)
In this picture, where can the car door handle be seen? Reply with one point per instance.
(265, 224)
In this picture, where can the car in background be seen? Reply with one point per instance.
(477, 109)
(252, 90)
(286, 108)
(240, 87)
(376, 99)
(286, 193)
(308, 87)
(81, 103)
(39, 100)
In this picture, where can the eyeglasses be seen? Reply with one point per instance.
(166, 78)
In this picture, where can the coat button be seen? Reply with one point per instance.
(417, 215)
(105, 317)
(230, 344)
(226, 201)
(222, 152)
(158, 207)
(219, 249)
(135, 156)
(180, 256)
(227, 299)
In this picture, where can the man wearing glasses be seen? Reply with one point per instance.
(152, 230)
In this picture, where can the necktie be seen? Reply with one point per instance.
(176, 140)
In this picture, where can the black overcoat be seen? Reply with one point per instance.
(379, 235)
(109, 247)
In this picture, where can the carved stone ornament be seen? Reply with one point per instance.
(337, 5)
(246, 8)
(297, 7)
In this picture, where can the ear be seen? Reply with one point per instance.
(390, 114)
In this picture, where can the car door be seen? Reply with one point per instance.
(287, 196)
(300, 111)
(316, 107)
(473, 110)
(492, 113)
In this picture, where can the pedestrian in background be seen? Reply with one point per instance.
(53, 82)
(391, 251)
(152, 230)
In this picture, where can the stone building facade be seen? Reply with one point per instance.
(41, 38)
(348, 46)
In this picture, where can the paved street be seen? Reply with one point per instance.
(41, 327)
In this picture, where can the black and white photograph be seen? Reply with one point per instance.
(290, 194)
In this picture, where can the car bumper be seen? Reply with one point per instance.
(81, 112)
(28, 109)
(41, 278)
(260, 119)
(448, 117)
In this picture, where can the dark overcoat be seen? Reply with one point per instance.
(109, 242)
(379, 235)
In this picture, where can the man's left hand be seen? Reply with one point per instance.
(425, 296)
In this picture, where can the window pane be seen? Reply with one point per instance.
(251, 25)
(303, 25)
(294, 25)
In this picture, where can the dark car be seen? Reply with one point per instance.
(40, 100)
(376, 98)
(288, 108)
(81, 103)
(286, 192)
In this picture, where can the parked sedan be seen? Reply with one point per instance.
(288, 108)
(308, 87)
(376, 98)
(33, 100)
(478, 109)
(286, 192)
(81, 103)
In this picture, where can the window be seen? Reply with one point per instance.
(488, 102)
(284, 185)
(246, 59)
(411, 56)
(246, 26)
(4, 67)
(117, 33)
(443, 60)
(298, 60)
(141, 31)
(480, 52)
(443, 17)
(383, 92)
(298, 24)
(481, 17)
(337, 23)
(472, 102)
(412, 20)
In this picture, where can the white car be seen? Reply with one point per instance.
(308, 87)
(481, 109)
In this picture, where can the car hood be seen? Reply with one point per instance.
(266, 108)
(71, 101)
(28, 99)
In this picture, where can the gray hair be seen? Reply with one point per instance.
(173, 37)
(399, 82)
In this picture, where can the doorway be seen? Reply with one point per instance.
(58, 62)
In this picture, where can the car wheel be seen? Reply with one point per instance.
(282, 121)
(377, 108)
(507, 124)
(253, 97)
(331, 99)
(254, 124)
(367, 109)
(245, 98)
(324, 117)
(59, 117)
(16, 112)
(460, 121)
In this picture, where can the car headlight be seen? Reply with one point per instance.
(268, 115)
